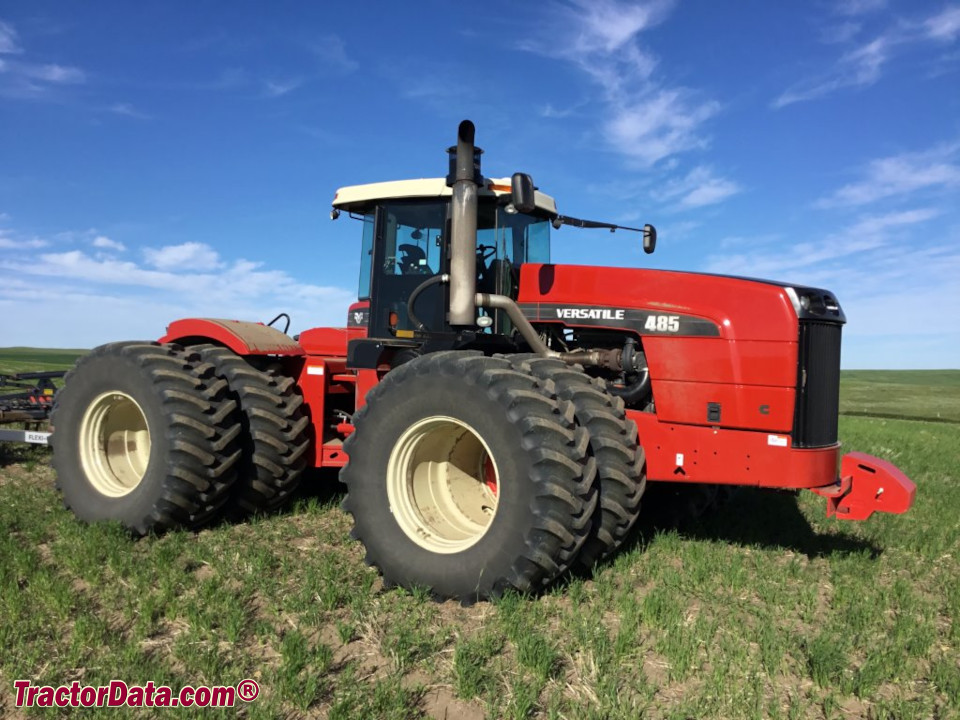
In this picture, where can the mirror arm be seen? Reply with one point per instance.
(577, 222)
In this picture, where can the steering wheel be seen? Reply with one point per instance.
(486, 251)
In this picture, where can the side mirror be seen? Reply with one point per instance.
(522, 191)
(649, 238)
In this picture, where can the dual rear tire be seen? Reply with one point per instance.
(157, 436)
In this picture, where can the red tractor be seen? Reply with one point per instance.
(496, 417)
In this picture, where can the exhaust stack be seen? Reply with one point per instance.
(464, 177)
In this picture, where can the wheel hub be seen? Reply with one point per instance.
(443, 484)
(114, 443)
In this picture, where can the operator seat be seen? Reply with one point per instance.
(413, 261)
(500, 278)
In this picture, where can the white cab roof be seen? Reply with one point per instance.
(357, 197)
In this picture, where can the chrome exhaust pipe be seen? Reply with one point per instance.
(464, 177)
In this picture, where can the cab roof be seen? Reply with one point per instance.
(358, 198)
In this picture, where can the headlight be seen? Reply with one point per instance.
(815, 304)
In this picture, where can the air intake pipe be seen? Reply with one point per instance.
(464, 177)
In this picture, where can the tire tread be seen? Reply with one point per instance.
(621, 470)
(274, 430)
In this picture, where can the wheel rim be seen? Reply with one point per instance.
(114, 444)
(443, 484)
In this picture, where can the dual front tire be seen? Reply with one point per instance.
(473, 475)
(467, 477)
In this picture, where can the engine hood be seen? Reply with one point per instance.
(692, 304)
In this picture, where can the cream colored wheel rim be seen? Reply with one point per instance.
(443, 484)
(114, 444)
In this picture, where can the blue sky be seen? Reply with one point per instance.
(161, 160)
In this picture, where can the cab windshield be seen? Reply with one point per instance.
(504, 235)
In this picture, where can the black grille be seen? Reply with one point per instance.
(818, 385)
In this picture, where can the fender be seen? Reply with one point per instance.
(244, 338)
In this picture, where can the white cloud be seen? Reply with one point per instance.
(97, 298)
(894, 270)
(102, 241)
(945, 26)
(878, 223)
(863, 66)
(607, 26)
(332, 51)
(674, 232)
(900, 298)
(8, 243)
(29, 79)
(122, 108)
(732, 242)
(860, 67)
(53, 73)
(190, 256)
(644, 119)
(662, 123)
(9, 240)
(900, 175)
(8, 39)
(858, 7)
(840, 33)
(282, 87)
(811, 259)
(698, 188)
(864, 63)
(549, 111)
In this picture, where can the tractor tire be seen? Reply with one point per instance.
(145, 436)
(274, 437)
(466, 477)
(621, 463)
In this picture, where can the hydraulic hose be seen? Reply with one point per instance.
(634, 392)
(416, 293)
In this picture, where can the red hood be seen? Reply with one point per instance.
(743, 309)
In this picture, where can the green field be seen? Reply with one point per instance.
(765, 609)
(925, 394)
(20, 359)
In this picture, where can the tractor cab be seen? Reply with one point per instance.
(406, 241)
(441, 259)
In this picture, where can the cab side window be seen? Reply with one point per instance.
(366, 257)
(413, 238)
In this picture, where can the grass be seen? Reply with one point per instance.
(765, 609)
(922, 394)
(23, 359)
